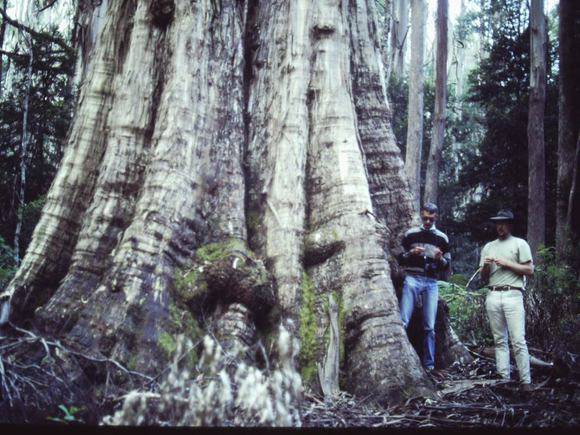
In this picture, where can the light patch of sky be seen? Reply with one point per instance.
(60, 14)
(454, 10)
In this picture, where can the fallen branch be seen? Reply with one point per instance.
(466, 384)
(59, 346)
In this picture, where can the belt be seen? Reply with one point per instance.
(433, 276)
(503, 288)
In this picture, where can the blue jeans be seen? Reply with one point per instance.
(417, 289)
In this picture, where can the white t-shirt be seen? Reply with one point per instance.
(511, 249)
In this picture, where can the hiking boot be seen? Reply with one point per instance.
(434, 373)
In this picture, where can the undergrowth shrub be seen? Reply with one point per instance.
(7, 263)
(552, 302)
(467, 312)
(218, 393)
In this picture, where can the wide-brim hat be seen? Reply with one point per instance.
(503, 215)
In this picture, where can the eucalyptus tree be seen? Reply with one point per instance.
(414, 144)
(229, 165)
(536, 146)
(438, 133)
(568, 196)
(399, 36)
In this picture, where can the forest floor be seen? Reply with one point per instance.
(467, 397)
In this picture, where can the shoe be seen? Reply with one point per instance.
(435, 374)
(527, 388)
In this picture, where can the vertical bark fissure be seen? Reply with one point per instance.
(250, 47)
(277, 145)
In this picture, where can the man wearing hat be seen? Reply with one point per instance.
(505, 263)
(425, 260)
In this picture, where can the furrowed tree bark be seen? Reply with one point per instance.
(225, 158)
(338, 197)
(389, 188)
(48, 256)
(568, 125)
(278, 140)
(414, 144)
(536, 147)
(438, 134)
(90, 18)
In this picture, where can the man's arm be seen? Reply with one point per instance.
(408, 250)
(486, 269)
(526, 268)
(485, 264)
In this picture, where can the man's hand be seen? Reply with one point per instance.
(487, 262)
(438, 253)
(503, 263)
(417, 250)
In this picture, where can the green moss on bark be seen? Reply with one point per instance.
(167, 344)
(308, 329)
(217, 251)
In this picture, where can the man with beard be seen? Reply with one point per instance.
(505, 263)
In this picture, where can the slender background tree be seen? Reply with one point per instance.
(399, 37)
(414, 145)
(439, 115)
(536, 148)
(567, 228)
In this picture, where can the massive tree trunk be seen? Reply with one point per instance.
(212, 139)
(438, 133)
(414, 146)
(536, 148)
(568, 121)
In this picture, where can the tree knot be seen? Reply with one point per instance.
(227, 273)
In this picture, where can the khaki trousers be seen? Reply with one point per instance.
(505, 310)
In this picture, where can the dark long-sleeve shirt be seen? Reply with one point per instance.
(425, 264)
